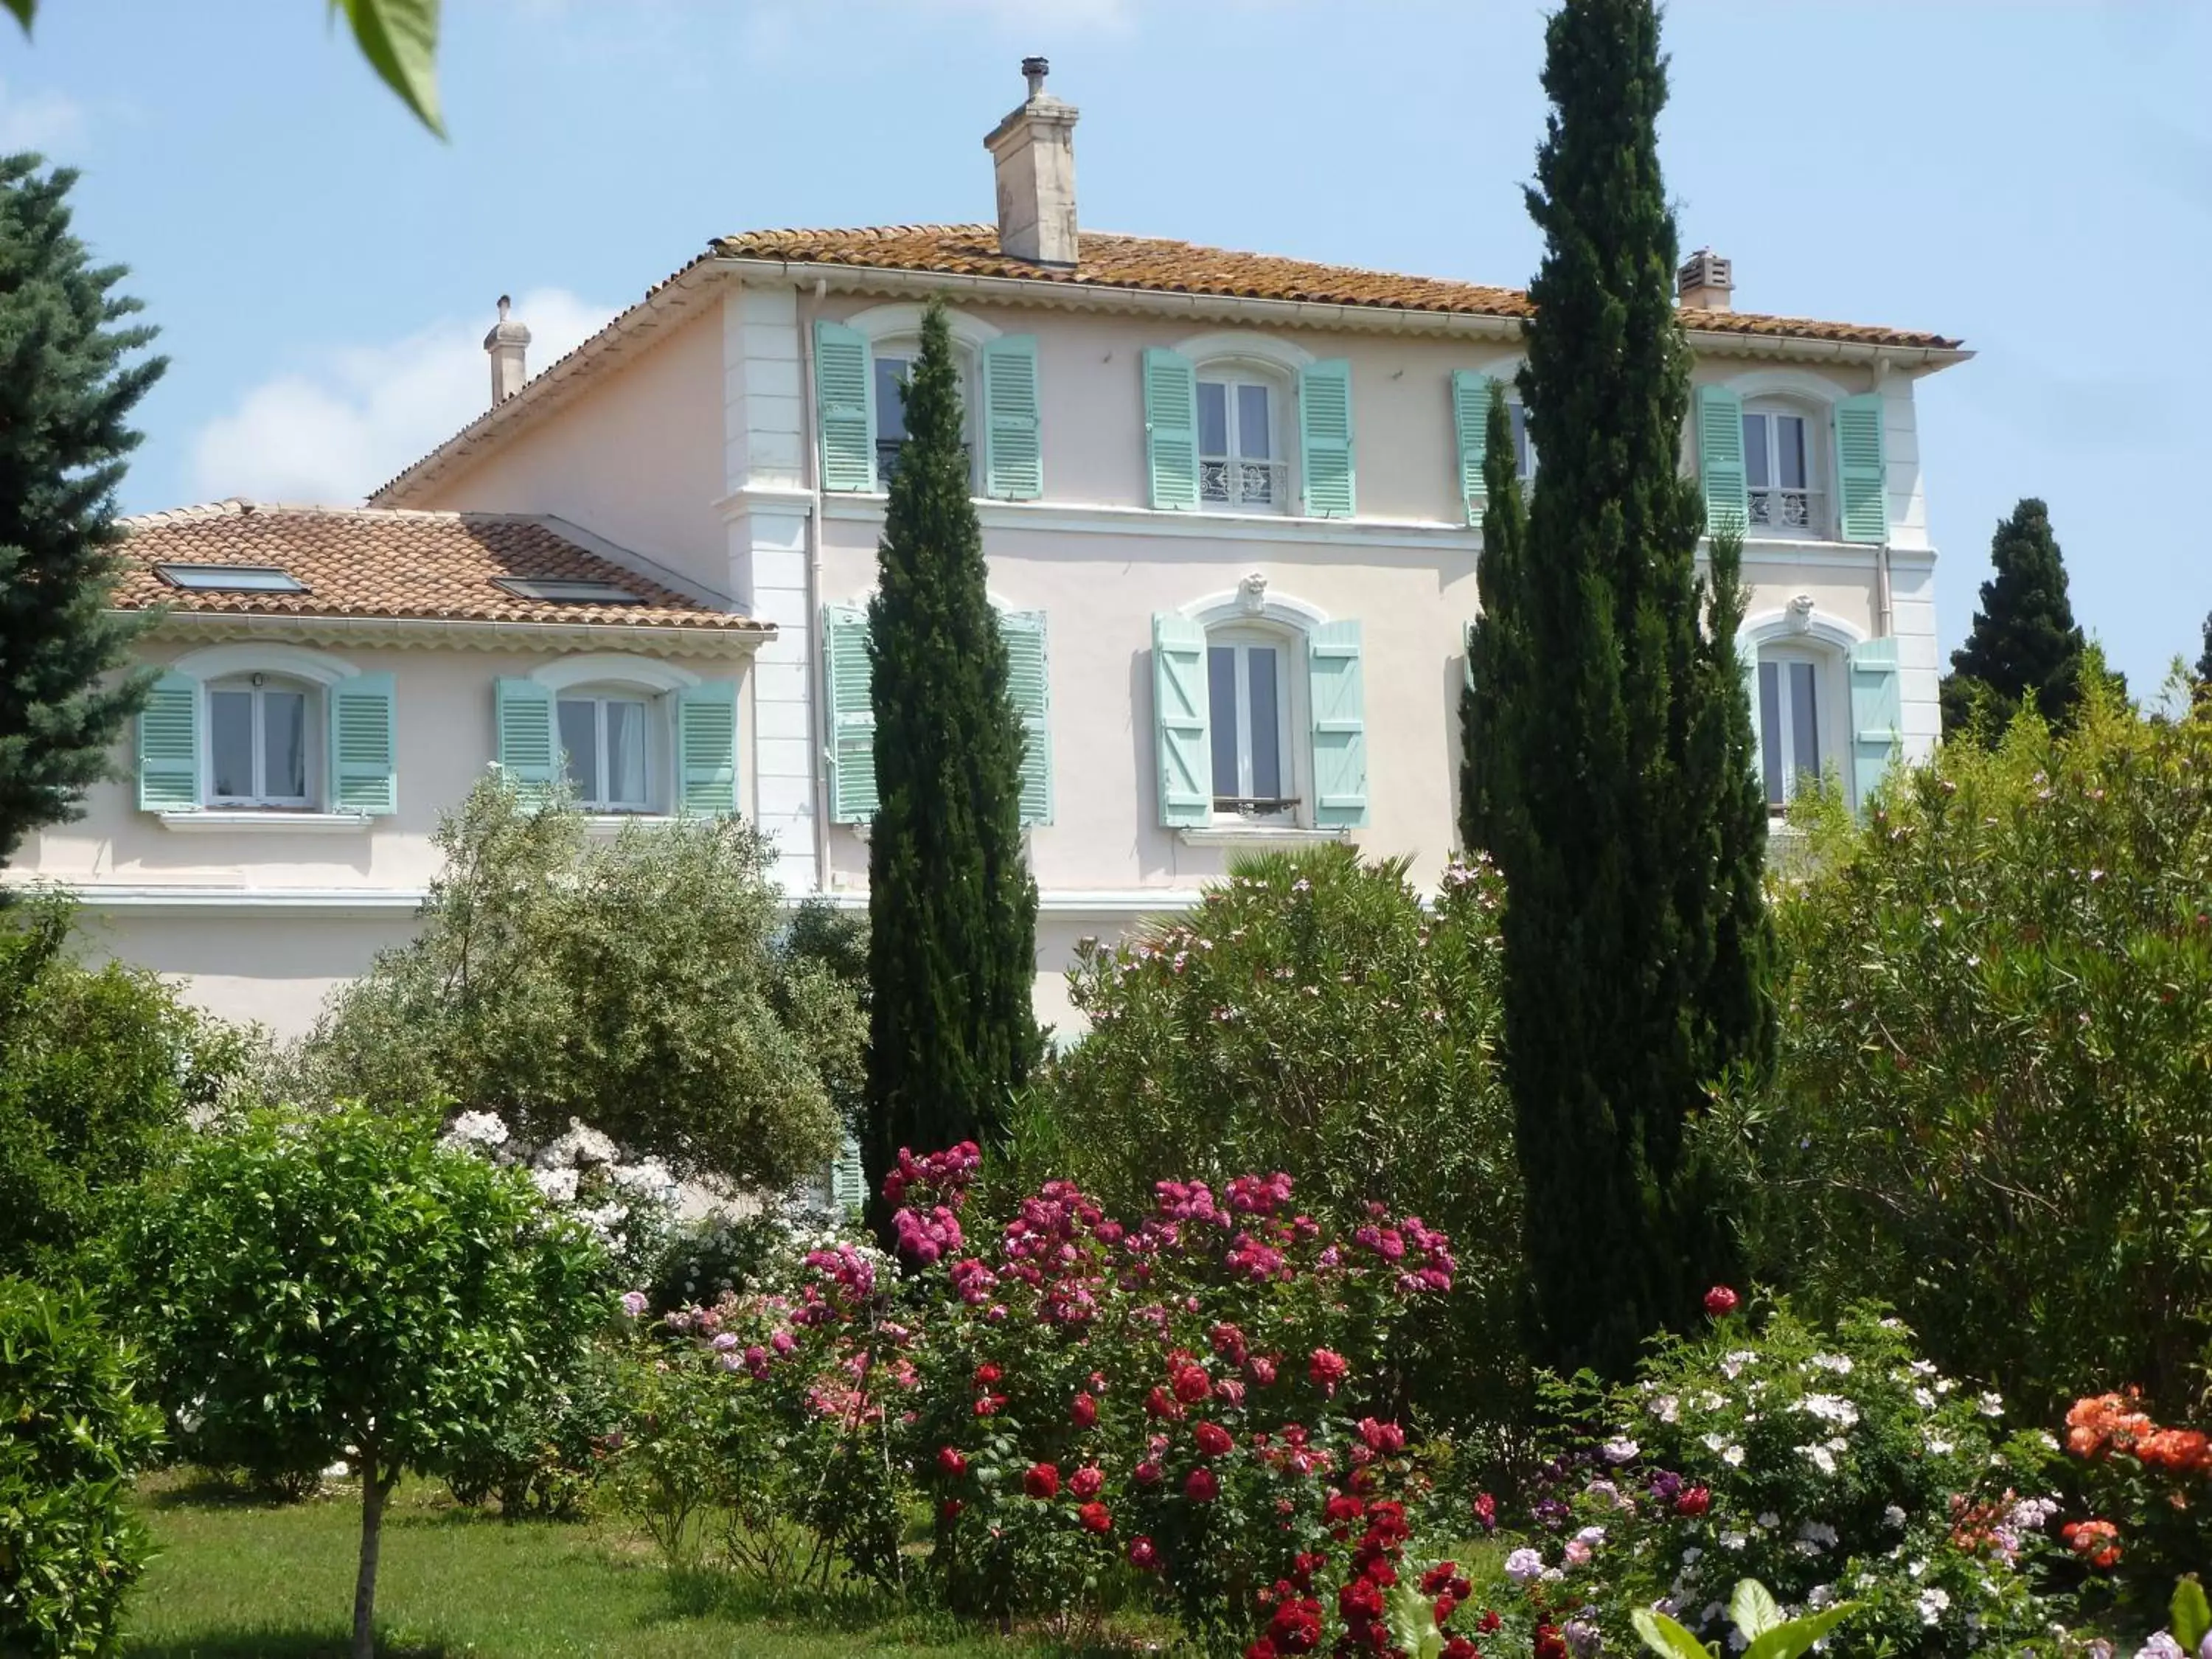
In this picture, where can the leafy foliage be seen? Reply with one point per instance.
(1311, 1015)
(952, 907)
(1610, 750)
(1994, 1110)
(637, 985)
(98, 1067)
(2024, 648)
(72, 1436)
(71, 371)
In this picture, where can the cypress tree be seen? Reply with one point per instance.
(66, 393)
(2024, 645)
(1608, 761)
(951, 908)
(2204, 662)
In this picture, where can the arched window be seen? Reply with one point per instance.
(1795, 690)
(1783, 441)
(629, 734)
(1249, 674)
(262, 745)
(614, 748)
(1241, 449)
(893, 360)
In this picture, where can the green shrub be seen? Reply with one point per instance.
(72, 1435)
(98, 1066)
(1312, 1016)
(1995, 1110)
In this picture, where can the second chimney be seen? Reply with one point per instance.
(1706, 281)
(507, 342)
(1035, 150)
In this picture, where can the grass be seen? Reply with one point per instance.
(238, 1578)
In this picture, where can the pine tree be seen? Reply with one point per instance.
(1608, 761)
(2024, 644)
(2204, 662)
(951, 908)
(66, 393)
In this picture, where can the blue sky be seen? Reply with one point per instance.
(2034, 177)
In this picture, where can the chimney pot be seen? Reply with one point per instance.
(1706, 282)
(506, 345)
(1034, 151)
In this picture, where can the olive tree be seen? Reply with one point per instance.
(345, 1285)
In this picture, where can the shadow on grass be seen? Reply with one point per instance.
(859, 1609)
(203, 1489)
(271, 1644)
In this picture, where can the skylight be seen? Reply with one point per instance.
(230, 578)
(564, 590)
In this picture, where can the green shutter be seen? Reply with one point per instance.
(1340, 726)
(1013, 455)
(845, 406)
(1470, 394)
(848, 1184)
(1861, 471)
(1179, 722)
(364, 774)
(1877, 714)
(1030, 681)
(169, 746)
(707, 748)
(850, 710)
(1720, 460)
(1172, 428)
(1325, 439)
(529, 744)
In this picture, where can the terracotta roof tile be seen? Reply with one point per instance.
(386, 562)
(1156, 265)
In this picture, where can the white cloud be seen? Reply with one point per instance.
(334, 428)
(39, 120)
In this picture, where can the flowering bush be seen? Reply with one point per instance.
(2146, 1487)
(1828, 1465)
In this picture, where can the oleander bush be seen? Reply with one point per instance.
(73, 1433)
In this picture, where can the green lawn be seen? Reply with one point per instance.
(240, 1579)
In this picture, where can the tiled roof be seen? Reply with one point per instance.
(391, 563)
(1156, 265)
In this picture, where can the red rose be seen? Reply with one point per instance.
(1438, 1578)
(1144, 1555)
(1160, 1403)
(1489, 1621)
(1096, 1517)
(951, 1508)
(1459, 1647)
(1148, 1472)
(1213, 1440)
(1486, 1511)
(1693, 1501)
(1261, 1368)
(1360, 1599)
(1042, 1480)
(1720, 1301)
(1445, 1607)
(1382, 1436)
(1261, 1648)
(990, 1404)
(1201, 1488)
(1086, 1482)
(1296, 1627)
(1084, 1411)
(986, 1375)
(1328, 1368)
(1192, 1385)
(952, 1462)
(1342, 1508)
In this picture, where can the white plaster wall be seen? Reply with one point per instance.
(274, 971)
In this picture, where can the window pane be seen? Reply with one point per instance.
(1221, 711)
(891, 401)
(230, 743)
(1253, 437)
(1524, 455)
(1212, 418)
(1804, 723)
(1754, 452)
(1789, 439)
(284, 745)
(1266, 737)
(579, 742)
(626, 754)
(1770, 733)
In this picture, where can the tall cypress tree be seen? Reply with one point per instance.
(2204, 662)
(2024, 644)
(66, 393)
(1609, 748)
(951, 908)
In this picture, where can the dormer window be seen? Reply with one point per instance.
(1237, 464)
(1778, 462)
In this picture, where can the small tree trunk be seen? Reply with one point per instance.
(372, 1493)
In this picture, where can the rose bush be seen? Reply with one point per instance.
(2145, 1486)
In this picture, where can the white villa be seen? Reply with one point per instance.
(1230, 503)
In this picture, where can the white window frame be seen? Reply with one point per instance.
(257, 685)
(1289, 696)
(658, 746)
(1816, 495)
(906, 349)
(1233, 459)
(1827, 687)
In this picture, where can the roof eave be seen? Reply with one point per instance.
(455, 633)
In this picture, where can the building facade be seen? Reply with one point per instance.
(1230, 504)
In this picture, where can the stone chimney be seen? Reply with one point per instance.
(507, 342)
(1705, 281)
(1035, 150)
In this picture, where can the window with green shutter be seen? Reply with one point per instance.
(1013, 454)
(1470, 395)
(1877, 714)
(364, 776)
(1336, 689)
(1325, 439)
(1172, 428)
(529, 745)
(849, 713)
(1029, 678)
(1720, 460)
(169, 746)
(707, 748)
(1861, 470)
(844, 399)
(1179, 722)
